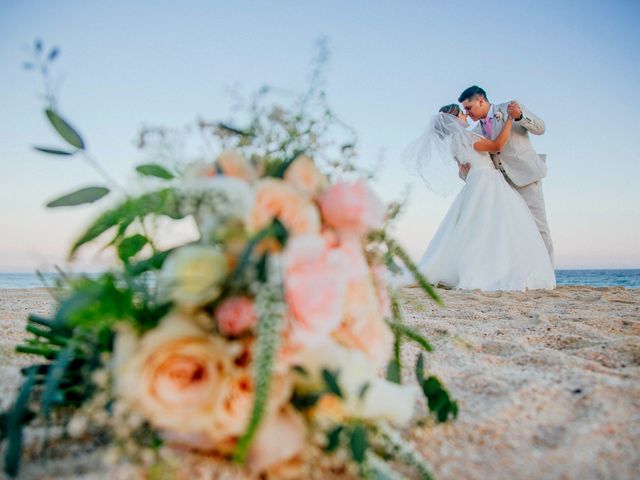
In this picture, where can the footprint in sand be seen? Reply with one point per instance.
(618, 354)
(502, 349)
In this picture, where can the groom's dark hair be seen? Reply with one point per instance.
(472, 92)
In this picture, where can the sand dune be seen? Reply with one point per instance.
(548, 384)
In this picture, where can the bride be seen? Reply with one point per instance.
(488, 238)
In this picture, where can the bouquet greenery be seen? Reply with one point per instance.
(265, 338)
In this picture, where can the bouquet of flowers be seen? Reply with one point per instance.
(266, 338)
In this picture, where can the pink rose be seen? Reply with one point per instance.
(351, 207)
(235, 315)
(315, 278)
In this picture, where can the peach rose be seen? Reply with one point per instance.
(356, 263)
(304, 174)
(280, 438)
(351, 207)
(237, 399)
(176, 376)
(314, 279)
(276, 198)
(235, 315)
(234, 164)
(363, 326)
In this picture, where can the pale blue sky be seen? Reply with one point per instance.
(124, 64)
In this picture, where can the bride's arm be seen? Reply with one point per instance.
(487, 145)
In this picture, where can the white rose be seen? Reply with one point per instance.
(192, 275)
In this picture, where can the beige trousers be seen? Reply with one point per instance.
(533, 197)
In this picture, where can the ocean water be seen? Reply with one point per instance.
(627, 278)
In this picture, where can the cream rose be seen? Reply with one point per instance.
(192, 275)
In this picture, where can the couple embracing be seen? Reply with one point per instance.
(495, 235)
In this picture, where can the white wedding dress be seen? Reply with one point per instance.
(488, 238)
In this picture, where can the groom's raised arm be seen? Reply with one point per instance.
(530, 121)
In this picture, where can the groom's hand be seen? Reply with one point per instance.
(514, 110)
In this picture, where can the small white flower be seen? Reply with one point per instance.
(217, 202)
(365, 394)
(77, 426)
(498, 116)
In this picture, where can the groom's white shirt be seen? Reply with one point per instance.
(521, 164)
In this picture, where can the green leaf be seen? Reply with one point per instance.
(393, 372)
(300, 370)
(66, 131)
(51, 394)
(331, 381)
(233, 130)
(411, 334)
(358, 443)
(130, 246)
(276, 229)
(53, 53)
(439, 400)
(363, 390)
(80, 300)
(162, 202)
(154, 170)
(53, 151)
(4, 420)
(404, 257)
(333, 439)
(17, 416)
(420, 369)
(304, 401)
(79, 197)
(152, 263)
(48, 334)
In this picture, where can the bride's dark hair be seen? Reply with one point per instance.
(451, 109)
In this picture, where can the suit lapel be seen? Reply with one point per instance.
(497, 124)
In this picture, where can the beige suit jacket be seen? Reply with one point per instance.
(519, 159)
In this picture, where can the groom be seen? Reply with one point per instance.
(523, 168)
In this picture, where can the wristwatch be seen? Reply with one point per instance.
(520, 117)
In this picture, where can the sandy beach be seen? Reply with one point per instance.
(548, 383)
